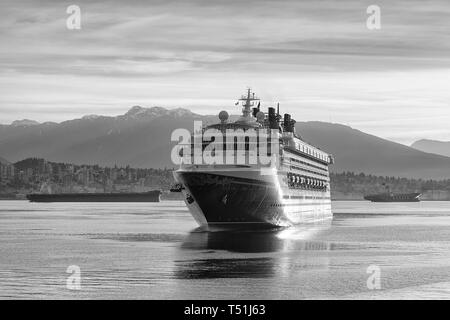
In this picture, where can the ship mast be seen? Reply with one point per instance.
(247, 102)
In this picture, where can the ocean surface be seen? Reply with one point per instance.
(155, 251)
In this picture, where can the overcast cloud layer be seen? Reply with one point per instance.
(316, 58)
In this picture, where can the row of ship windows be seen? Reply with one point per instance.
(298, 181)
(306, 197)
(309, 164)
(298, 197)
(310, 171)
(312, 152)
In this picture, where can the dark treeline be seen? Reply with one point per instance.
(38, 175)
(360, 183)
(34, 175)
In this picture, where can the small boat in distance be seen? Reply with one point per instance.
(150, 196)
(389, 196)
(394, 197)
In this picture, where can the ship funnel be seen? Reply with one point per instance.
(288, 123)
(273, 123)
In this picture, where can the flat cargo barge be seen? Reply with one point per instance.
(151, 196)
(394, 197)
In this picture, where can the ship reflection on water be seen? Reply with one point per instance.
(251, 241)
(253, 254)
(226, 268)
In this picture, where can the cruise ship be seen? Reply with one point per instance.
(292, 189)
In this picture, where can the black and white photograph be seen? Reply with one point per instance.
(230, 152)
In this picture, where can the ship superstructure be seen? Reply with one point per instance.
(293, 188)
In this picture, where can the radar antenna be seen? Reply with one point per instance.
(248, 102)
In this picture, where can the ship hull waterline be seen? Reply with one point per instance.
(227, 200)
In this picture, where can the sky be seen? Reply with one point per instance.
(316, 58)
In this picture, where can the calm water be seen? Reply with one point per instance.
(154, 251)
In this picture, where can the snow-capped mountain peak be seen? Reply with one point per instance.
(24, 123)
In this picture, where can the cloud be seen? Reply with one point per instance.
(317, 57)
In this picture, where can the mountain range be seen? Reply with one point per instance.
(433, 146)
(141, 138)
